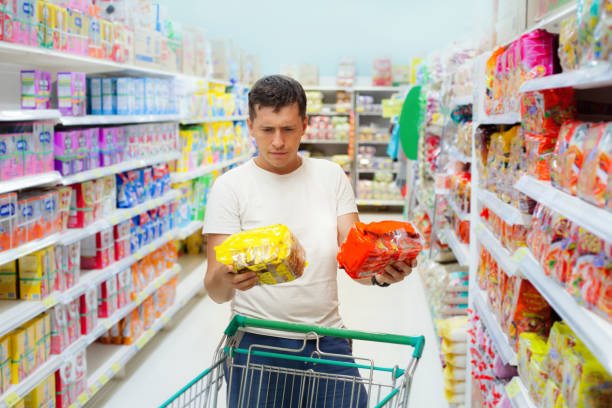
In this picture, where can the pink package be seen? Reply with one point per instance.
(43, 147)
(25, 146)
(35, 89)
(77, 32)
(58, 284)
(536, 54)
(98, 251)
(59, 324)
(73, 321)
(106, 142)
(124, 287)
(64, 153)
(10, 160)
(93, 154)
(119, 151)
(81, 149)
(73, 264)
(122, 240)
(64, 384)
(381, 72)
(71, 98)
(107, 297)
(24, 22)
(80, 372)
(88, 309)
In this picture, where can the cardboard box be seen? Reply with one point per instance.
(8, 281)
(18, 348)
(33, 271)
(35, 89)
(43, 395)
(5, 364)
(147, 45)
(71, 91)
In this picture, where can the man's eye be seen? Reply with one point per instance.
(289, 129)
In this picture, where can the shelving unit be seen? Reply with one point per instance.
(495, 248)
(34, 180)
(518, 394)
(380, 203)
(19, 115)
(325, 141)
(462, 215)
(213, 119)
(584, 78)
(505, 350)
(594, 219)
(94, 120)
(506, 212)
(209, 168)
(595, 332)
(502, 119)
(460, 249)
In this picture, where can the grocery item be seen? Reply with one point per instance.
(597, 167)
(370, 247)
(273, 252)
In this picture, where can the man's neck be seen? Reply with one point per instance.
(262, 164)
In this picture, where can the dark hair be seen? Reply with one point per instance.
(276, 91)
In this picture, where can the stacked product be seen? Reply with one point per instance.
(314, 101)
(208, 100)
(446, 289)
(460, 187)
(27, 149)
(71, 380)
(365, 104)
(453, 349)
(328, 128)
(373, 134)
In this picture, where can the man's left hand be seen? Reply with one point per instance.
(395, 272)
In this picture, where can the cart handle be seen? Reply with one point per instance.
(241, 321)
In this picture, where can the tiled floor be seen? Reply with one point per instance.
(177, 355)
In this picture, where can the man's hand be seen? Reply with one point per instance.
(240, 281)
(395, 272)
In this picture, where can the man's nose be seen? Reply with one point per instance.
(278, 141)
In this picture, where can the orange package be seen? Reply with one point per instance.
(149, 313)
(136, 279)
(131, 327)
(539, 152)
(593, 178)
(572, 159)
(604, 303)
(556, 164)
(588, 272)
(530, 313)
(370, 247)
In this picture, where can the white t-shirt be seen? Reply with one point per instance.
(308, 201)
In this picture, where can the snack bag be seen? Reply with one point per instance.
(593, 179)
(530, 312)
(370, 247)
(556, 163)
(594, 31)
(568, 42)
(572, 159)
(529, 344)
(273, 252)
(561, 338)
(588, 273)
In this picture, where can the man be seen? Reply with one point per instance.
(315, 200)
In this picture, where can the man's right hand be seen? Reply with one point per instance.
(240, 281)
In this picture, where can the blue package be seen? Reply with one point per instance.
(140, 96)
(122, 94)
(94, 96)
(109, 96)
(150, 96)
(129, 188)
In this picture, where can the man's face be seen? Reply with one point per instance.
(278, 136)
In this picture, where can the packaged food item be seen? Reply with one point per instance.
(597, 167)
(594, 31)
(88, 310)
(35, 89)
(561, 338)
(82, 205)
(573, 158)
(9, 281)
(589, 269)
(73, 321)
(568, 44)
(273, 252)
(59, 329)
(107, 297)
(529, 344)
(370, 247)
(71, 91)
(530, 312)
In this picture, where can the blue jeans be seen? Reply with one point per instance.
(283, 389)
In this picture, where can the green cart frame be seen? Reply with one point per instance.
(204, 390)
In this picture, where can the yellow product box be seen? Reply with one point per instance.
(43, 395)
(59, 27)
(30, 344)
(19, 404)
(8, 280)
(33, 272)
(42, 339)
(18, 347)
(5, 364)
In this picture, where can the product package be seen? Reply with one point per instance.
(597, 166)
(273, 252)
(88, 309)
(71, 91)
(107, 297)
(370, 247)
(35, 89)
(98, 251)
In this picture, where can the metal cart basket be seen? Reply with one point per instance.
(252, 383)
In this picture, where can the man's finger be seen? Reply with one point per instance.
(403, 267)
(248, 284)
(414, 263)
(241, 277)
(394, 273)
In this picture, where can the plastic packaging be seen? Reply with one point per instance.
(273, 252)
(370, 247)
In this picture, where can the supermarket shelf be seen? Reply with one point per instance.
(327, 88)
(325, 141)
(29, 115)
(110, 359)
(328, 113)
(33, 246)
(506, 212)
(13, 313)
(552, 20)
(189, 229)
(212, 119)
(116, 119)
(119, 215)
(460, 101)
(462, 215)
(119, 167)
(594, 219)
(502, 255)
(503, 119)
(459, 156)
(368, 171)
(374, 142)
(585, 78)
(461, 251)
(209, 168)
(506, 351)
(369, 113)
(33, 180)
(55, 362)
(377, 89)
(595, 332)
(383, 203)
(518, 394)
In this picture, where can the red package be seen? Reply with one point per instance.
(597, 167)
(543, 112)
(88, 309)
(572, 159)
(539, 151)
(604, 304)
(124, 288)
(82, 205)
(370, 247)
(64, 381)
(98, 251)
(59, 335)
(80, 372)
(73, 321)
(107, 297)
(565, 135)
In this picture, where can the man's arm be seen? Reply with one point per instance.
(393, 273)
(220, 280)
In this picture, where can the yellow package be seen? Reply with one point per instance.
(453, 374)
(537, 379)
(30, 346)
(551, 394)
(42, 339)
(595, 389)
(33, 270)
(561, 338)
(454, 387)
(5, 364)
(453, 329)
(529, 344)
(274, 253)
(573, 361)
(456, 360)
(18, 347)
(449, 347)
(561, 402)
(42, 394)
(8, 280)
(19, 404)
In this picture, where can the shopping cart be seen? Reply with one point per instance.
(276, 386)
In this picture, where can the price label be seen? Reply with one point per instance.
(103, 379)
(114, 219)
(108, 324)
(142, 341)
(140, 298)
(83, 398)
(164, 319)
(93, 389)
(49, 302)
(73, 406)
(480, 227)
(98, 173)
(139, 255)
(513, 389)
(157, 284)
(116, 367)
(519, 255)
(11, 399)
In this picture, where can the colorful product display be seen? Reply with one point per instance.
(71, 380)
(328, 128)
(25, 149)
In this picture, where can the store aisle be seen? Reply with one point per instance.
(177, 355)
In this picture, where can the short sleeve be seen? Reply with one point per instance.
(222, 210)
(345, 197)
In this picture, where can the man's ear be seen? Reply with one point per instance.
(305, 123)
(250, 125)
